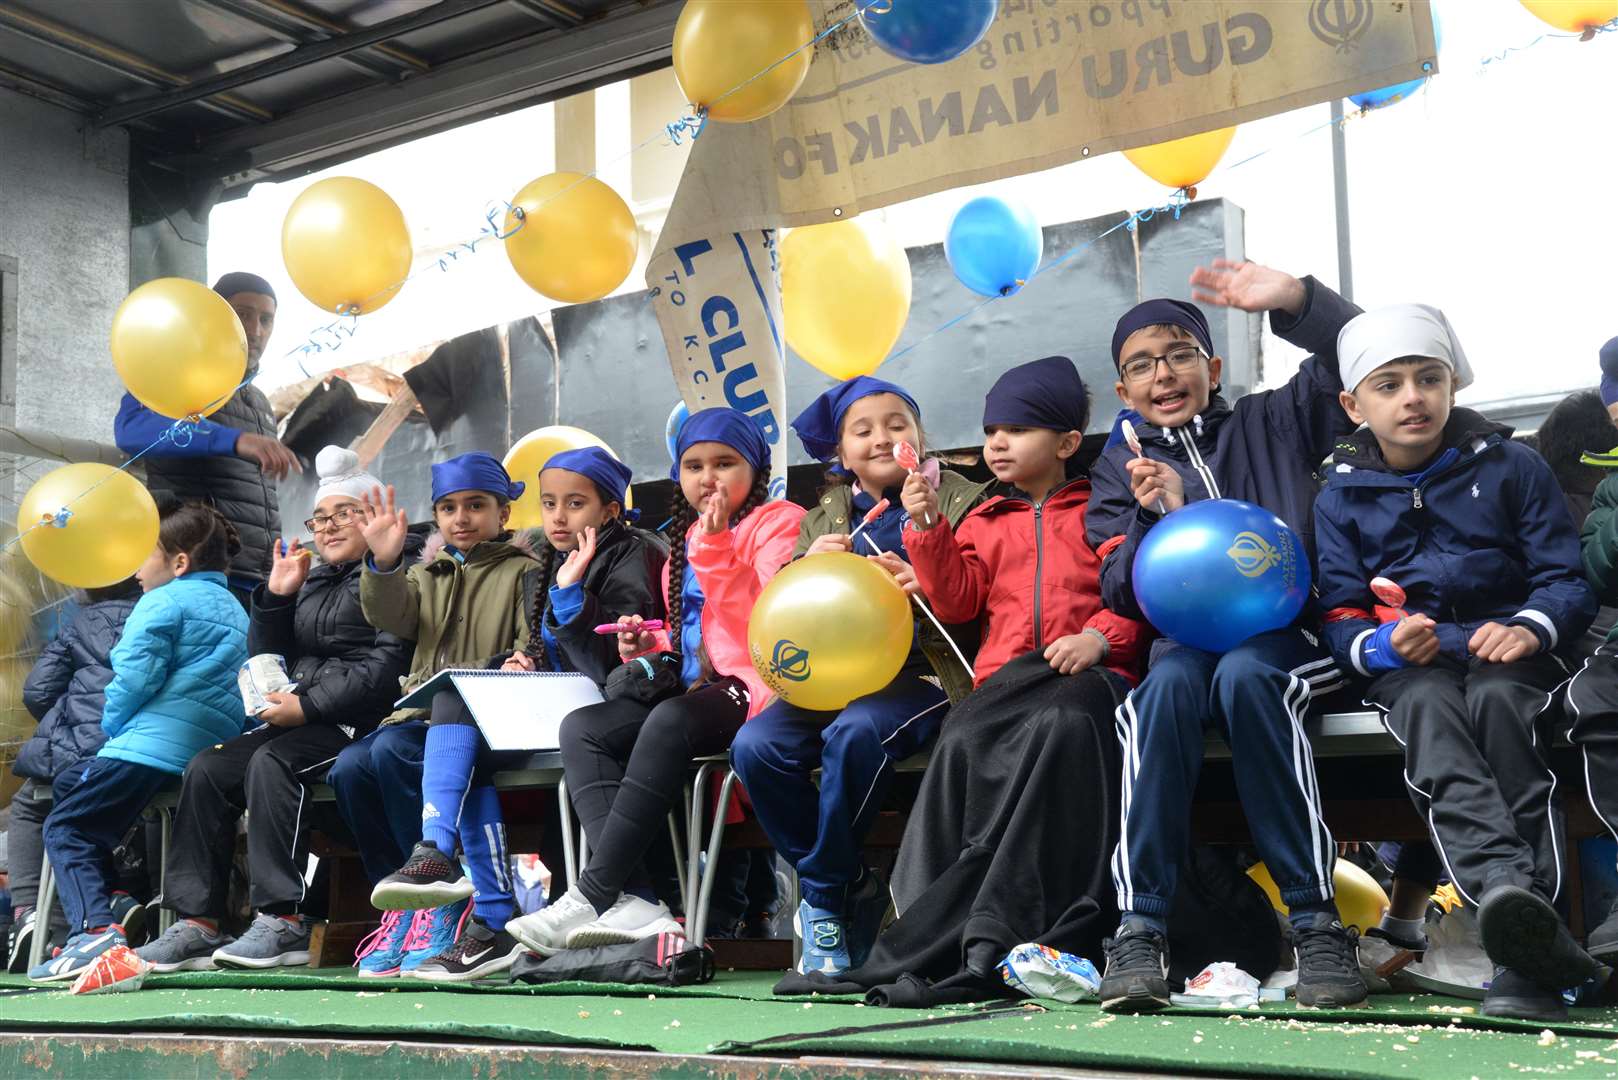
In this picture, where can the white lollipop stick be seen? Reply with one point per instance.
(927, 611)
(1134, 444)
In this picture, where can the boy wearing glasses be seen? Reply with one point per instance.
(346, 675)
(1264, 448)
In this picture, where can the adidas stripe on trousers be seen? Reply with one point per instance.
(1256, 696)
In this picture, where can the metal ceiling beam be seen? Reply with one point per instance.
(320, 23)
(33, 86)
(543, 68)
(302, 56)
(91, 50)
(552, 12)
(296, 34)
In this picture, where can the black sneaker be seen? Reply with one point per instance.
(1515, 996)
(479, 951)
(21, 940)
(1137, 976)
(1602, 944)
(1521, 931)
(428, 879)
(1328, 964)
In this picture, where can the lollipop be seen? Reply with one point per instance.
(1134, 445)
(910, 461)
(871, 515)
(1391, 595)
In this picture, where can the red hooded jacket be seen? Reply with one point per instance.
(1027, 570)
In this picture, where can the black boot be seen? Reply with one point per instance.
(1514, 995)
(1521, 931)
(1602, 944)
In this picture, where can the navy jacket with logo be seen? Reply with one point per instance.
(1266, 449)
(1486, 537)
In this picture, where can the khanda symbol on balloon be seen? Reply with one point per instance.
(790, 661)
(1252, 554)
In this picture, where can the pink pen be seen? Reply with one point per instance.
(910, 461)
(624, 628)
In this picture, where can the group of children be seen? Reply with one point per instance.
(1076, 739)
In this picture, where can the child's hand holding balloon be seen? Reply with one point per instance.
(830, 542)
(902, 572)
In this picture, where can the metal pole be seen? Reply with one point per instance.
(1339, 176)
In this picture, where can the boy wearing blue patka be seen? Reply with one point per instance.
(1439, 503)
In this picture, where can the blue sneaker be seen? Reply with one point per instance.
(80, 953)
(379, 954)
(825, 945)
(433, 931)
(867, 906)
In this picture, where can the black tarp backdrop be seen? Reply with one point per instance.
(613, 376)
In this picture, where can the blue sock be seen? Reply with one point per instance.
(1302, 915)
(483, 840)
(446, 773)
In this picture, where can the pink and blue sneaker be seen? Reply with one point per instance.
(431, 932)
(379, 955)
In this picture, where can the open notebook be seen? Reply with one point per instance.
(515, 710)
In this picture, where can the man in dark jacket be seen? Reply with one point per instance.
(232, 459)
(66, 690)
(345, 676)
(1264, 449)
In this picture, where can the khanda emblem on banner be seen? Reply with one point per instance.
(790, 661)
(1340, 23)
(1252, 554)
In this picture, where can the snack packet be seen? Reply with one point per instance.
(1043, 972)
(261, 676)
(1219, 984)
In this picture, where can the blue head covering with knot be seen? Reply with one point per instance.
(476, 471)
(819, 427)
(732, 427)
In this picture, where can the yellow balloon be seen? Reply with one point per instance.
(178, 347)
(828, 629)
(346, 245)
(1182, 163)
(1573, 15)
(577, 240)
(110, 530)
(845, 294)
(719, 45)
(528, 456)
(1360, 900)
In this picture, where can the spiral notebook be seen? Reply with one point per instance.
(515, 710)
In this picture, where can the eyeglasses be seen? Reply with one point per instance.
(1144, 368)
(322, 522)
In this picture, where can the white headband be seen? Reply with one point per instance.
(340, 474)
(1392, 333)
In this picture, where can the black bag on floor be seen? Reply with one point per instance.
(1220, 913)
(665, 960)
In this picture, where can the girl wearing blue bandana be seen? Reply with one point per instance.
(855, 428)
(626, 759)
(607, 572)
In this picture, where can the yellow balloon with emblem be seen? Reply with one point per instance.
(1182, 163)
(1360, 900)
(742, 59)
(830, 628)
(528, 456)
(845, 294)
(87, 525)
(179, 347)
(346, 245)
(1575, 16)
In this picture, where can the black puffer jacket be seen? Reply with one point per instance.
(347, 671)
(236, 486)
(67, 690)
(624, 578)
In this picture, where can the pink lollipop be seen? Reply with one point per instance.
(1389, 593)
(910, 461)
(876, 511)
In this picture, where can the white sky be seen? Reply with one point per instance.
(1489, 195)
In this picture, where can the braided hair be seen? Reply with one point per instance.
(205, 535)
(685, 515)
(546, 556)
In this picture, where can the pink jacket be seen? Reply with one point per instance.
(733, 567)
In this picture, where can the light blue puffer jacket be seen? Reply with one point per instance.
(173, 689)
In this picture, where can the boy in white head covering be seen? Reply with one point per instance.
(1472, 532)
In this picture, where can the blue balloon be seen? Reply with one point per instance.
(1215, 573)
(671, 431)
(993, 245)
(1388, 95)
(928, 31)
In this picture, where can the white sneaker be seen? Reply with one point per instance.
(546, 931)
(629, 919)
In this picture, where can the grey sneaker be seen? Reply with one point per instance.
(270, 942)
(185, 946)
